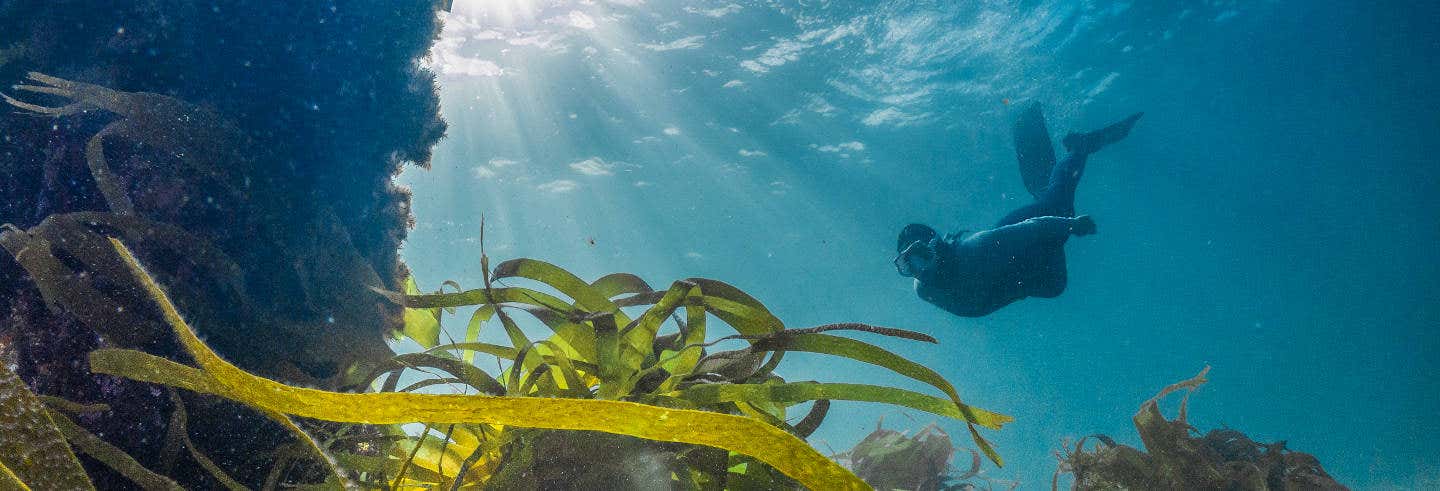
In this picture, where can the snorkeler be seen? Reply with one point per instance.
(1024, 255)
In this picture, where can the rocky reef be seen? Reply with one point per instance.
(245, 150)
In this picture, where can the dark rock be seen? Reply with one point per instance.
(267, 132)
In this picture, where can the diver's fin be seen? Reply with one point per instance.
(1033, 149)
(1088, 143)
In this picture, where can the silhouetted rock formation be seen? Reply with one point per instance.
(246, 148)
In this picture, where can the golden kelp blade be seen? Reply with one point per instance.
(769, 444)
(8, 479)
(31, 447)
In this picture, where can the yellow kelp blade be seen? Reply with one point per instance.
(8, 479)
(32, 449)
(769, 444)
(739, 434)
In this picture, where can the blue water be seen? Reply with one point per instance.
(1273, 215)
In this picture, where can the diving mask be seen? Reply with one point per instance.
(915, 258)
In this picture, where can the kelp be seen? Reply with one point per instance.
(199, 149)
(719, 430)
(743, 435)
(73, 278)
(634, 353)
(1222, 459)
(196, 135)
(566, 460)
(421, 325)
(70, 260)
(171, 157)
(32, 448)
(630, 357)
(180, 435)
(9, 480)
(85, 442)
(600, 350)
(797, 392)
(603, 372)
(114, 458)
(868, 353)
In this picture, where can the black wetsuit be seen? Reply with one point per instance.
(1024, 255)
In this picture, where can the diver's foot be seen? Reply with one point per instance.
(1082, 225)
(1121, 129)
(1088, 143)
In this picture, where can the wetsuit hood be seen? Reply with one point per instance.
(912, 233)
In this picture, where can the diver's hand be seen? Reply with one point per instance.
(1082, 225)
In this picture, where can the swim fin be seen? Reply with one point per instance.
(1088, 143)
(1033, 149)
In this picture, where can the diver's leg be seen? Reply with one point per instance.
(1032, 210)
(1058, 198)
(1059, 195)
(1014, 240)
(1033, 149)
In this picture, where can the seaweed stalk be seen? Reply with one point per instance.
(111, 456)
